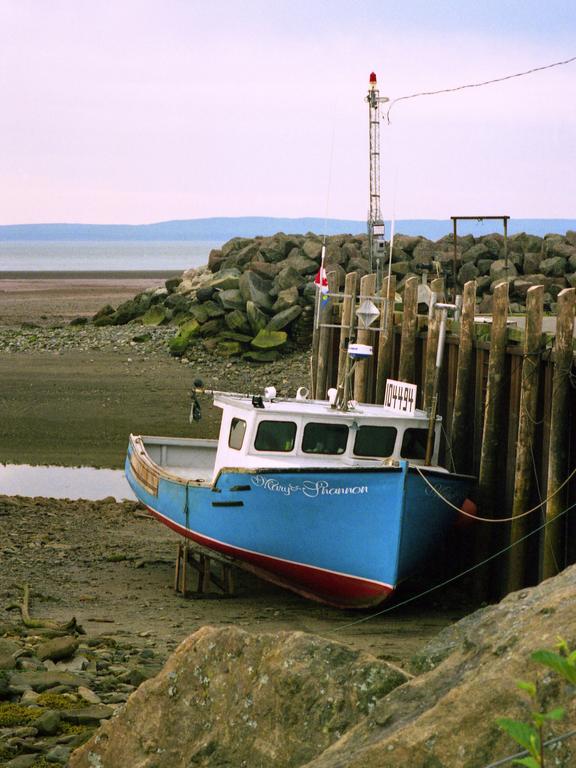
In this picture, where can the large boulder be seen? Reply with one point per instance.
(424, 254)
(554, 266)
(288, 278)
(468, 271)
(401, 268)
(359, 264)
(179, 343)
(494, 244)
(231, 299)
(523, 284)
(349, 251)
(264, 269)
(237, 321)
(243, 256)
(286, 299)
(502, 269)
(198, 312)
(172, 283)
(215, 259)
(284, 318)
(561, 248)
(407, 242)
(156, 315)
(225, 280)
(256, 318)
(267, 339)
(275, 249)
(301, 263)
(312, 249)
(476, 252)
(532, 261)
(467, 678)
(256, 289)
(227, 697)
(235, 244)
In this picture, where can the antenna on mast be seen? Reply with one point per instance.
(376, 232)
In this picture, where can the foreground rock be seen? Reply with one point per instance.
(226, 698)
(446, 717)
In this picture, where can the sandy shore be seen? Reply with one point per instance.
(55, 297)
(71, 395)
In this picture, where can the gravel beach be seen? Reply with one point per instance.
(71, 394)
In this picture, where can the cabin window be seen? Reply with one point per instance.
(414, 444)
(237, 432)
(275, 436)
(375, 441)
(325, 438)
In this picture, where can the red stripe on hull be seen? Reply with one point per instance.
(335, 589)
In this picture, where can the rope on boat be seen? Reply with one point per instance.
(490, 519)
(442, 584)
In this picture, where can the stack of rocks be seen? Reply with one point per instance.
(254, 298)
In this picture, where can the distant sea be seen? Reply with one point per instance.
(102, 256)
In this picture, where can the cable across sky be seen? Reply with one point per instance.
(477, 85)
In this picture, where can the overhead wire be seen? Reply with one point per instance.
(477, 85)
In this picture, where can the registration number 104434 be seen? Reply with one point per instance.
(400, 396)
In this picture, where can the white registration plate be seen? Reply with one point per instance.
(400, 396)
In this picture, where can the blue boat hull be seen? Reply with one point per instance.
(346, 537)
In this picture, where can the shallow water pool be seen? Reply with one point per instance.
(63, 482)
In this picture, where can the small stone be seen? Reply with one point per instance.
(87, 715)
(89, 695)
(58, 755)
(48, 723)
(22, 761)
(29, 697)
(58, 648)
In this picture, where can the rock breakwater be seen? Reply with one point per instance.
(255, 297)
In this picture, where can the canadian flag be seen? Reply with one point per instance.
(321, 280)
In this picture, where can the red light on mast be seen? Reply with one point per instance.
(372, 78)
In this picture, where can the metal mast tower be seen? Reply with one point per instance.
(376, 234)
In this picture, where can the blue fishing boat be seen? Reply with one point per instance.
(339, 505)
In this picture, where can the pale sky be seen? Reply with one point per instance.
(134, 111)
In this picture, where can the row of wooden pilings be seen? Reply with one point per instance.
(508, 403)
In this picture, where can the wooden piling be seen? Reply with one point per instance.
(362, 375)
(386, 337)
(492, 435)
(407, 367)
(553, 555)
(348, 324)
(524, 470)
(325, 340)
(463, 398)
(494, 405)
(437, 288)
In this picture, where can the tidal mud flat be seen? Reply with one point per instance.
(71, 395)
(110, 567)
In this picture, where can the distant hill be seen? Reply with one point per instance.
(224, 228)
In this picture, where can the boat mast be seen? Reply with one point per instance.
(436, 306)
(376, 241)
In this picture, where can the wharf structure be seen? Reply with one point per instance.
(508, 403)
